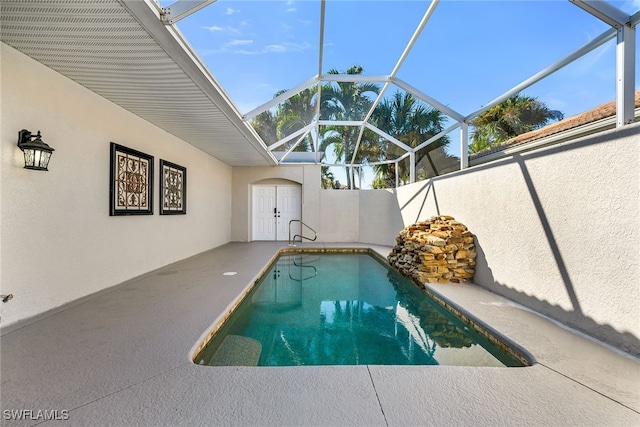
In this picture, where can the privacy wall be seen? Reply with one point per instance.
(58, 241)
(557, 229)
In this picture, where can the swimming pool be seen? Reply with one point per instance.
(317, 308)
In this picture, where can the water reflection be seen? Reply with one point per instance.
(441, 329)
(347, 309)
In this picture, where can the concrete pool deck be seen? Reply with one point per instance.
(122, 358)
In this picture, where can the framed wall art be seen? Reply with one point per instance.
(131, 182)
(173, 189)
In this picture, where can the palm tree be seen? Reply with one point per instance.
(412, 122)
(296, 113)
(513, 116)
(291, 115)
(345, 101)
(266, 125)
(328, 180)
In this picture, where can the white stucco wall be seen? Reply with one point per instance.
(380, 219)
(58, 242)
(557, 229)
(339, 215)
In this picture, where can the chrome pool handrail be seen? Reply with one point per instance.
(292, 240)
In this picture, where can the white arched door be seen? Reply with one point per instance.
(273, 207)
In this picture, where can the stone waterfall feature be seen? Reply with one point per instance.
(439, 250)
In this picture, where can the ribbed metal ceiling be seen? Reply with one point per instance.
(121, 51)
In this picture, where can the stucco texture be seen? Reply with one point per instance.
(557, 229)
(58, 241)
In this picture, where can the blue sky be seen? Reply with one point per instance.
(469, 53)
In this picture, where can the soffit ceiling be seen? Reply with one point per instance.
(121, 51)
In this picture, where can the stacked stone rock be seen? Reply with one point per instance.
(440, 250)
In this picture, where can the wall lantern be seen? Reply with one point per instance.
(36, 153)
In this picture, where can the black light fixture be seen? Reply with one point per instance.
(36, 153)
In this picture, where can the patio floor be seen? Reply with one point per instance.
(122, 358)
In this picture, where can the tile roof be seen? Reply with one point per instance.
(601, 112)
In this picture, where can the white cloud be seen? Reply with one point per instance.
(227, 29)
(226, 48)
(231, 11)
(239, 42)
(287, 47)
(275, 48)
(290, 7)
(285, 28)
(630, 6)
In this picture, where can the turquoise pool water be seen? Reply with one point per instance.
(344, 309)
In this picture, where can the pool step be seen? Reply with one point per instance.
(237, 350)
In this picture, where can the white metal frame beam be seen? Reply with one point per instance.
(436, 137)
(625, 75)
(319, 83)
(281, 98)
(394, 72)
(588, 47)
(604, 11)
(355, 150)
(414, 37)
(464, 145)
(625, 53)
(294, 146)
(320, 78)
(291, 136)
(623, 28)
(429, 100)
(388, 137)
(181, 9)
(340, 122)
(366, 119)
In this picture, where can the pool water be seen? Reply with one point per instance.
(344, 309)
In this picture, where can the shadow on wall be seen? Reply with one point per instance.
(575, 319)
(484, 277)
(428, 188)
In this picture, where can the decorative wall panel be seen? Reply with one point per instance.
(173, 188)
(131, 183)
